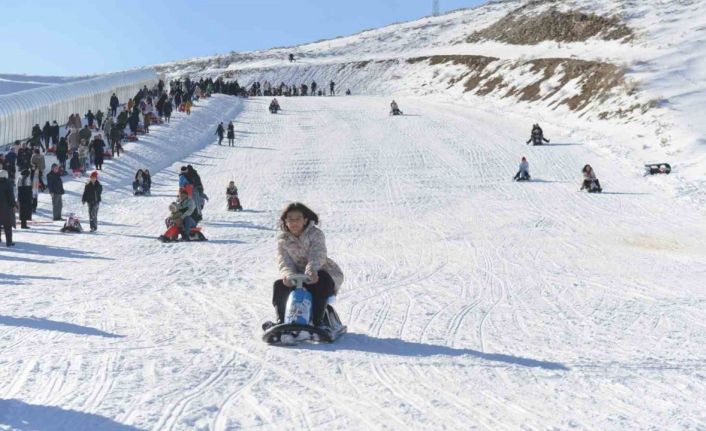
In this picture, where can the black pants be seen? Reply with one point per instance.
(5, 222)
(320, 292)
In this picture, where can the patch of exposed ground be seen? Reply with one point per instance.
(596, 80)
(523, 29)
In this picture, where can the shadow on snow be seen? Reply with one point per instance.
(395, 346)
(21, 416)
(53, 325)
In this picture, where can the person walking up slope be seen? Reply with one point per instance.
(92, 196)
(220, 131)
(56, 190)
(7, 207)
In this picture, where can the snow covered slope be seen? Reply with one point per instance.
(473, 302)
(631, 62)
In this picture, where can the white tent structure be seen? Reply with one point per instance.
(22, 110)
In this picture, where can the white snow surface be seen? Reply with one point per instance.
(472, 302)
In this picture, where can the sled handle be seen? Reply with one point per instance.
(299, 279)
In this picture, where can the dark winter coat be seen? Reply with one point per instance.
(24, 157)
(7, 201)
(62, 149)
(114, 101)
(75, 162)
(98, 148)
(10, 160)
(85, 134)
(54, 183)
(92, 192)
(220, 131)
(55, 131)
(537, 136)
(24, 197)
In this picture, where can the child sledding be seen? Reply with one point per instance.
(394, 109)
(537, 136)
(232, 196)
(523, 173)
(142, 183)
(181, 220)
(590, 182)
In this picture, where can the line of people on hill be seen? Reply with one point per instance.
(23, 166)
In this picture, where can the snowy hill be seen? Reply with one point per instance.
(631, 62)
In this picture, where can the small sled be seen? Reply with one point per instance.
(234, 204)
(172, 233)
(72, 224)
(657, 168)
(297, 327)
(591, 187)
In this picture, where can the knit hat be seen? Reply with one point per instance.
(94, 174)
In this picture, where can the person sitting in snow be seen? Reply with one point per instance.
(590, 182)
(537, 136)
(523, 173)
(274, 106)
(138, 185)
(232, 196)
(301, 248)
(186, 208)
(394, 109)
(174, 224)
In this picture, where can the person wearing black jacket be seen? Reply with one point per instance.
(231, 134)
(7, 207)
(220, 131)
(24, 157)
(46, 134)
(114, 104)
(54, 131)
(98, 148)
(56, 190)
(62, 151)
(167, 110)
(92, 196)
(537, 136)
(24, 197)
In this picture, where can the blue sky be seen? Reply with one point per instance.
(73, 38)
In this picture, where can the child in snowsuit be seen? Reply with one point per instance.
(523, 173)
(590, 182)
(232, 195)
(537, 136)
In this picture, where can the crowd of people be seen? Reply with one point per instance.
(82, 148)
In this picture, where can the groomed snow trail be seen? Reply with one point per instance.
(471, 301)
